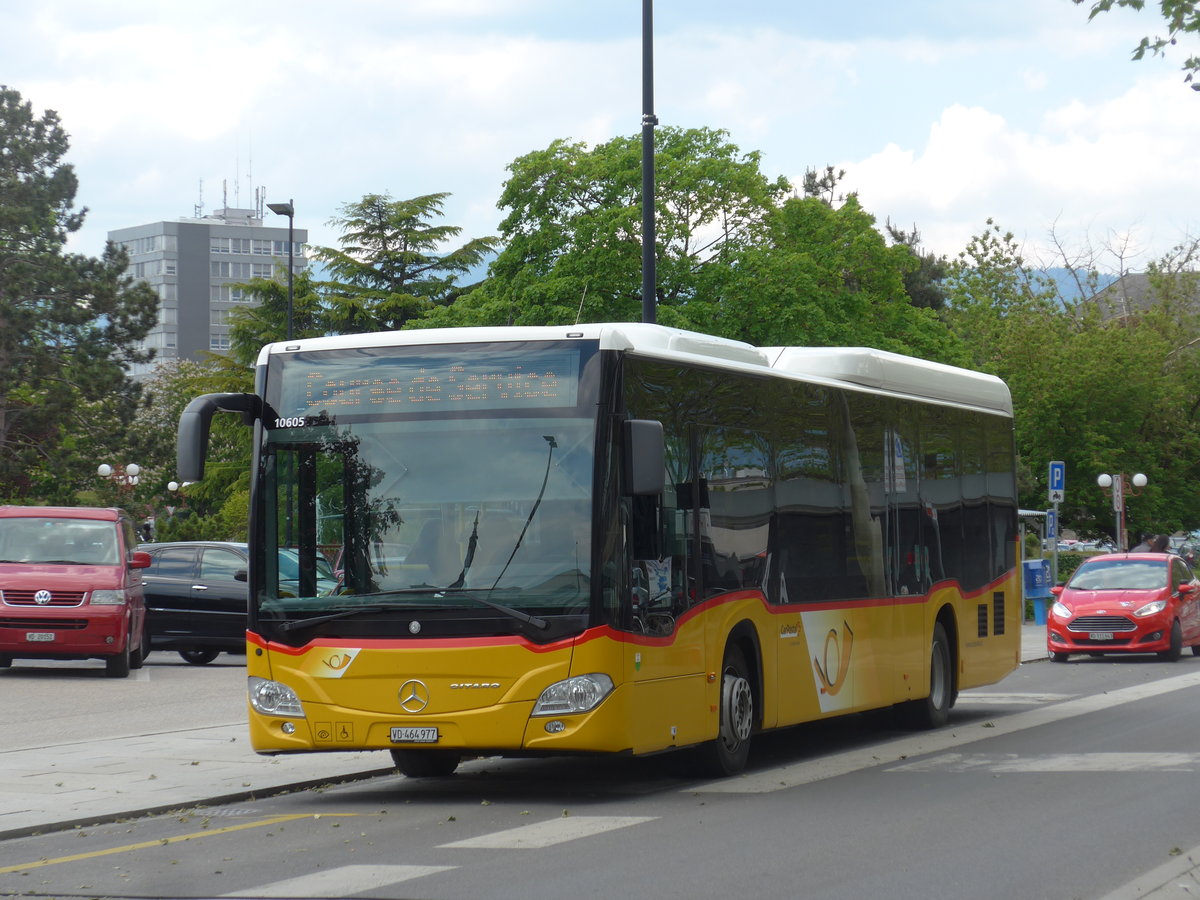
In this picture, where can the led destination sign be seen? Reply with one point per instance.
(468, 379)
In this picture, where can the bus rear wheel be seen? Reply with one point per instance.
(934, 711)
(727, 755)
(426, 763)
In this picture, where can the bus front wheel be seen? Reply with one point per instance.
(727, 755)
(426, 763)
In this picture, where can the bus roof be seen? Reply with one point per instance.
(859, 367)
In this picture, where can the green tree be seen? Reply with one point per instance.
(265, 319)
(69, 324)
(572, 235)
(1181, 16)
(1103, 395)
(392, 265)
(217, 507)
(824, 276)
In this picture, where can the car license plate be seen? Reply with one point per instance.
(1100, 635)
(414, 735)
(39, 635)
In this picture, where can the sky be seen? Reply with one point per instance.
(943, 113)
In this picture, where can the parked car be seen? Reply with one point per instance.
(1126, 603)
(70, 587)
(196, 595)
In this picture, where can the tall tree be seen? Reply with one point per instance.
(1104, 395)
(265, 320)
(824, 276)
(572, 235)
(69, 324)
(393, 264)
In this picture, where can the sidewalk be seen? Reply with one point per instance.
(86, 781)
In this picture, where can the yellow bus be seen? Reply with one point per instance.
(614, 538)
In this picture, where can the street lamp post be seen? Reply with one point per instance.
(1119, 486)
(289, 210)
(124, 477)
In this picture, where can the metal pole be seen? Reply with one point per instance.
(649, 297)
(291, 263)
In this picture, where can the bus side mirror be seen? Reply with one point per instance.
(191, 444)
(645, 457)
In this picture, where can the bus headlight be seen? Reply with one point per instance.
(575, 695)
(274, 699)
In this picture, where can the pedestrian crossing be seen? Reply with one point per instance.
(345, 881)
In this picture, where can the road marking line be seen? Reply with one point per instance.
(989, 698)
(341, 882)
(162, 842)
(783, 777)
(1055, 762)
(1174, 878)
(547, 834)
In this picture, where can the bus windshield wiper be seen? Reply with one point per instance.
(293, 624)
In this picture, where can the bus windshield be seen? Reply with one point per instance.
(420, 506)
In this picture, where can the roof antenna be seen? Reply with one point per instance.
(581, 299)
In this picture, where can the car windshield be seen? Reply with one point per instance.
(1120, 575)
(77, 541)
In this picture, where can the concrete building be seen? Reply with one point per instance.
(195, 265)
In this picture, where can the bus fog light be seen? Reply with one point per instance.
(574, 695)
(288, 728)
(274, 699)
(555, 726)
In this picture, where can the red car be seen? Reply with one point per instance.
(1126, 603)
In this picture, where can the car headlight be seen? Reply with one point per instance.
(1060, 611)
(108, 598)
(1151, 608)
(274, 699)
(575, 695)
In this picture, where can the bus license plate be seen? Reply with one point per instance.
(1100, 635)
(414, 735)
(39, 635)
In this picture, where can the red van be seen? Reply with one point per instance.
(70, 587)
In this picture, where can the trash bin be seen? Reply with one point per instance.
(1037, 587)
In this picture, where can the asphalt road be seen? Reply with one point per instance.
(1063, 781)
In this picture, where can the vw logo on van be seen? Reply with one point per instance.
(41, 598)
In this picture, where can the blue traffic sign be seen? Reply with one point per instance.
(1058, 481)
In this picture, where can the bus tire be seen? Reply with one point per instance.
(934, 711)
(426, 763)
(727, 754)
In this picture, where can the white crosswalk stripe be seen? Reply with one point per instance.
(341, 882)
(546, 834)
(1054, 762)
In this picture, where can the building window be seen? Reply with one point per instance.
(218, 342)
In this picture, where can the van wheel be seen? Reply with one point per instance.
(426, 763)
(6, 661)
(138, 656)
(727, 755)
(118, 666)
(199, 657)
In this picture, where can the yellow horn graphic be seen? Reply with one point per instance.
(832, 686)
